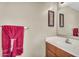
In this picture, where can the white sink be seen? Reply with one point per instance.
(74, 42)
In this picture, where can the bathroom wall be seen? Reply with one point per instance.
(33, 15)
(71, 20)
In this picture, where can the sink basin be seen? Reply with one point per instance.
(74, 42)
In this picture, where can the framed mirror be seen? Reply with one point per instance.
(61, 20)
(50, 18)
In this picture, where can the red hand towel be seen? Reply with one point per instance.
(9, 33)
(75, 32)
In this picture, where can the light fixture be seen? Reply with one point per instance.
(63, 4)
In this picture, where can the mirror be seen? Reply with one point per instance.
(61, 19)
(71, 18)
(50, 18)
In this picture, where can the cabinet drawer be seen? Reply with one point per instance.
(61, 53)
(51, 47)
(50, 54)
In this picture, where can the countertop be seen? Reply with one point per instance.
(60, 43)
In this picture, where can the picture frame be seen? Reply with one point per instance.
(61, 20)
(50, 18)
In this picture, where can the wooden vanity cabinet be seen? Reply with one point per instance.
(53, 51)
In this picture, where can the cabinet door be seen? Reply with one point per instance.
(50, 54)
(52, 48)
(61, 53)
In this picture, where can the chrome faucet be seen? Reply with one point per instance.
(67, 41)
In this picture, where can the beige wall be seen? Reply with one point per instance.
(71, 20)
(34, 16)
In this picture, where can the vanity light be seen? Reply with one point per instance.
(63, 4)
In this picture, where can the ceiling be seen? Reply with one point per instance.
(74, 5)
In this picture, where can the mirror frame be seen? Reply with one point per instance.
(50, 18)
(61, 20)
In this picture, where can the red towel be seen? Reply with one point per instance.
(75, 32)
(16, 34)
